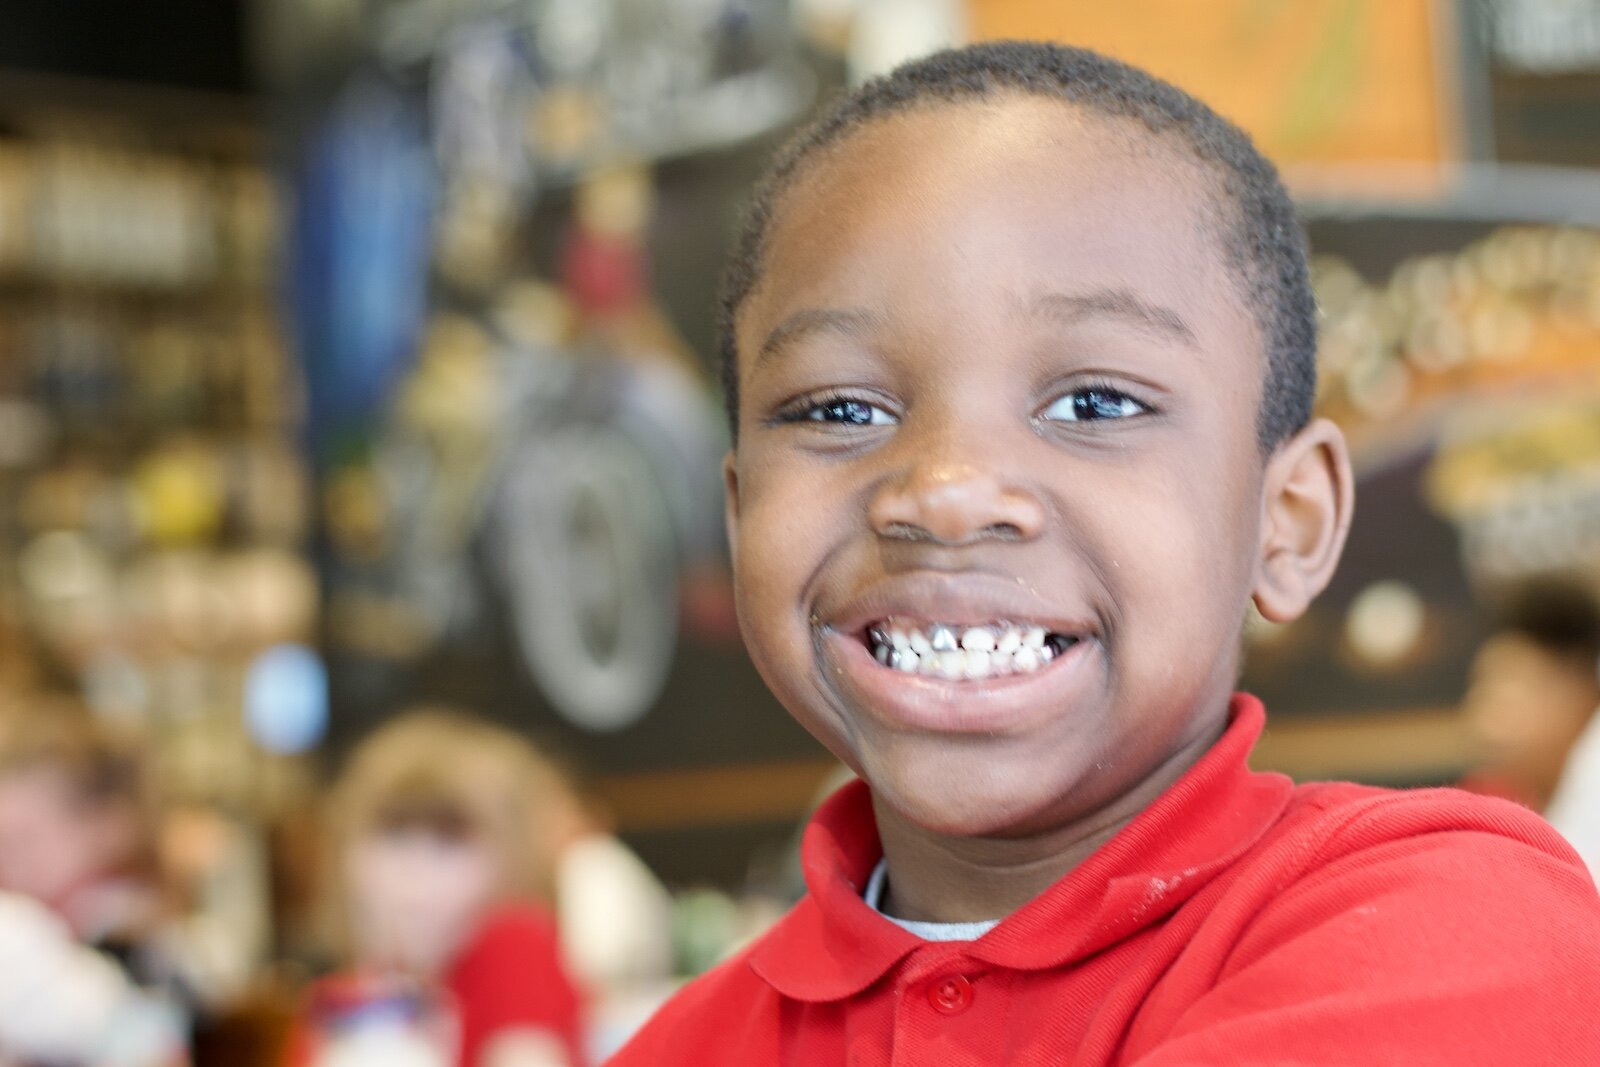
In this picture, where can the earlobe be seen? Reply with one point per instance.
(730, 503)
(1307, 502)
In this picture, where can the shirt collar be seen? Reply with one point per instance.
(832, 945)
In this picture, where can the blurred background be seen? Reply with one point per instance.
(357, 356)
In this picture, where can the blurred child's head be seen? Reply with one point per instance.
(436, 818)
(1535, 685)
(1019, 346)
(72, 804)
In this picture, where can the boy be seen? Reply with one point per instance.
(1019, 351)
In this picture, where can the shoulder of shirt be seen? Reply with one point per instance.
(1325, 821)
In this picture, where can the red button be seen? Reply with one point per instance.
(950, 996)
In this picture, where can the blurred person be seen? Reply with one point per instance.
(439, 871)
(76, 826)
(77, 875)
(1574, 808)
(1535, 685)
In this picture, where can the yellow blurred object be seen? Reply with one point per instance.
(180, 493)
(616, 200)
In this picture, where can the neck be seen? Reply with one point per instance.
(954, 879)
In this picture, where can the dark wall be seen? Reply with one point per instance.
(190, 44)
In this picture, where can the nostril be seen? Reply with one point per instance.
(907, 531)
(1004, 531)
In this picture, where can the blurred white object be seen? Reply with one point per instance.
(393, 1045)
(885, 33)
(63, 1003)
(524, 1047)
(616, 916)
(1575, 807)
(616, 936)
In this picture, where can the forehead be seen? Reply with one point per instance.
(1013, 196)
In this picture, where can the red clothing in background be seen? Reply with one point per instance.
(1240, 919)
(509, 977)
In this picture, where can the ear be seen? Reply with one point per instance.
(730, 504)
(1308, 497)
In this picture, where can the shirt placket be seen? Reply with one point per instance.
(946, 1009)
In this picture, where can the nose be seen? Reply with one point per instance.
(953, 497)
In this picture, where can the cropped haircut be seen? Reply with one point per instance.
(1260, 236)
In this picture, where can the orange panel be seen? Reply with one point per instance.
(1314, 81)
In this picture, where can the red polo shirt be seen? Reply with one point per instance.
(1240, 919)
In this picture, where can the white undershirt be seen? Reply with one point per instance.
(873, 895)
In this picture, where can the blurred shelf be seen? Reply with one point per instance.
(195, 120)
(1490, 194)
(1414, 746)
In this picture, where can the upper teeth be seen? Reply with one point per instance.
(964, 652)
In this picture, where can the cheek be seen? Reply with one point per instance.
(435, 880)
(781, 532)
(1190, 541)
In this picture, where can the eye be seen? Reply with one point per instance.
(840, 410)
(1094, 404)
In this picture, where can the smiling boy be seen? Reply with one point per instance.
(1019, 351)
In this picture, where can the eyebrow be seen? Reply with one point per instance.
(807, 322)
(1068, 308)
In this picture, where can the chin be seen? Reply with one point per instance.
(962, 804)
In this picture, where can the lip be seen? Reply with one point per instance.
(999, 705)
(1005, 704)
(956, 599)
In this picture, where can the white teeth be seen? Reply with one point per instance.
(976, 652)
(975, 663)
(978, 639)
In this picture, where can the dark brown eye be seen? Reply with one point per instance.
(851, 412)
(841, 411)
(1094, 405)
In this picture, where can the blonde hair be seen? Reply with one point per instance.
(441, 770)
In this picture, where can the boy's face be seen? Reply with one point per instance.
(996, 371)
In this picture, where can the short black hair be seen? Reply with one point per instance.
(1261, 235)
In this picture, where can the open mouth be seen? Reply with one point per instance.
(966, 652)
